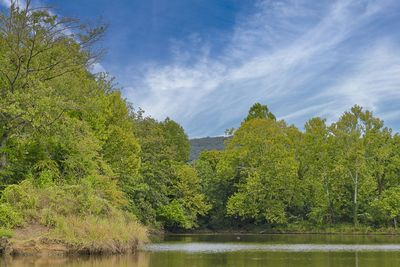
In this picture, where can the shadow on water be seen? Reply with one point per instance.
(248, 250)
(135, 260)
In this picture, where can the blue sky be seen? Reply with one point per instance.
(205, 62)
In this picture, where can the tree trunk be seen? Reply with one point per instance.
(395, 222)
(355, 218)
(330, 207)
(3, 154)
(329, 202)
(380, 185)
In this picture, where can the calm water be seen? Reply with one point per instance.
(244, 250)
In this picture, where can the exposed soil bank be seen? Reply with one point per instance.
(34, 241)
(48, 247)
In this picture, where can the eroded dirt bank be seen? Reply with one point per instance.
(34, 240)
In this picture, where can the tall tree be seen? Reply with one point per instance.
(351, 139)
(269, 171)
(171, 195)
(37, 50)
(177, 140)
(323, 192)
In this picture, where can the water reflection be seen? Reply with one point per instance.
(235, 259)
(220, 247)
(134, 260)
(286, 238)
(249, 251)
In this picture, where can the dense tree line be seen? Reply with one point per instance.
(271, 173)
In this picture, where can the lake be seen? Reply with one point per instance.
(243, 250)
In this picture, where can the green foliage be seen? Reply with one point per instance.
(177, 141)
(170, 193)
(6, 233)
(21, 197)
(92, 196)
(268, 171)
(388, 205)
(9, 218)
(186, 191)
(217, 172)
(43, 79)
(173, 215)
(68, 154)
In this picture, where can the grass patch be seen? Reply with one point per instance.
(6, 233)
(100, 235)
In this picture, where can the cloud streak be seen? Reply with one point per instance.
(301, 58)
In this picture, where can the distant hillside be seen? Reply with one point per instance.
(198, 145)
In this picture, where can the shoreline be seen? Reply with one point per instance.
(283, 233)
(338, 231)
(34, 244)
(52, 247)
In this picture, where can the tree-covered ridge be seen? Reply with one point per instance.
(274, 174)
(197, 145)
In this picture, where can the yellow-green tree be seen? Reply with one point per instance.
(268, 171)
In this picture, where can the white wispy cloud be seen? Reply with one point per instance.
(373, 82)
(302, 58)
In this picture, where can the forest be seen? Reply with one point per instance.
(329, 175)
(79, 160)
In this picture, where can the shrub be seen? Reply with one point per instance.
(9, 217)
(173, 215)
(93, 234)
(21, 196)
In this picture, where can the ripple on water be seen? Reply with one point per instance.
(226, 247)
